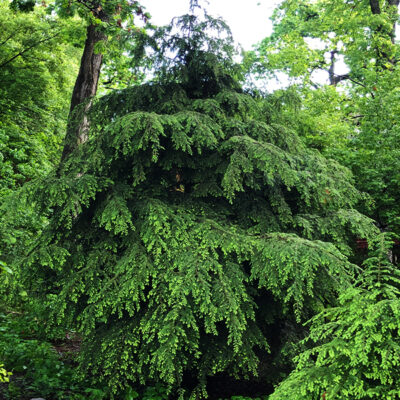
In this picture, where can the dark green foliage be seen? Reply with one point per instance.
(197, 54)
(177, 227)
(37, 368)
(23, 5)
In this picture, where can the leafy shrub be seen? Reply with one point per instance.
(36, 366)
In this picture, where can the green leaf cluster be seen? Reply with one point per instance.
(37, 65)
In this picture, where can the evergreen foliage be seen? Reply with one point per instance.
(187, 225)
(354, 352)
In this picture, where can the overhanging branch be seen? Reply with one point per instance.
(28, 48)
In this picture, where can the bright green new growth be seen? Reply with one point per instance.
(4, 375)
(355, 347)
(185, 217)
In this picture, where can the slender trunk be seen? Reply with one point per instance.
(84, 90)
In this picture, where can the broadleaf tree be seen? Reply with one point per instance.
(110, 27)
(38, 60)
(39, 56)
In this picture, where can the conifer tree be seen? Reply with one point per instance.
(353, 349)
(190, 225)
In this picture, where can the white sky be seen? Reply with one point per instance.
(249, 21)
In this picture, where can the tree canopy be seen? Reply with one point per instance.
(38, 61)
(356, 125)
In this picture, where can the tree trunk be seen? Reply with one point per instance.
(375, 7)
(382, 55)
(394, 3)
(84, 90)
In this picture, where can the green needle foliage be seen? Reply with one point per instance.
(355, 347)
(187, 225)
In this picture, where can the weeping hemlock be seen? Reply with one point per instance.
(190, 235)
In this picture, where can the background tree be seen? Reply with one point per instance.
(310, 36)
(40, 49)
(109, 24)
(110, 28)
(38, 61)
(357, 125)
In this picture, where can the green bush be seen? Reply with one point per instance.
(37, 368)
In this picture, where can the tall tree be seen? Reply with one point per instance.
(312, 35)
(106, 22)
(192, 232)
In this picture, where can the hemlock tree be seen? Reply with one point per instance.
(355, 348)
(190, 225)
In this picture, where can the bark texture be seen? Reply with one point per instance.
(375, 7)
(85, 88)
